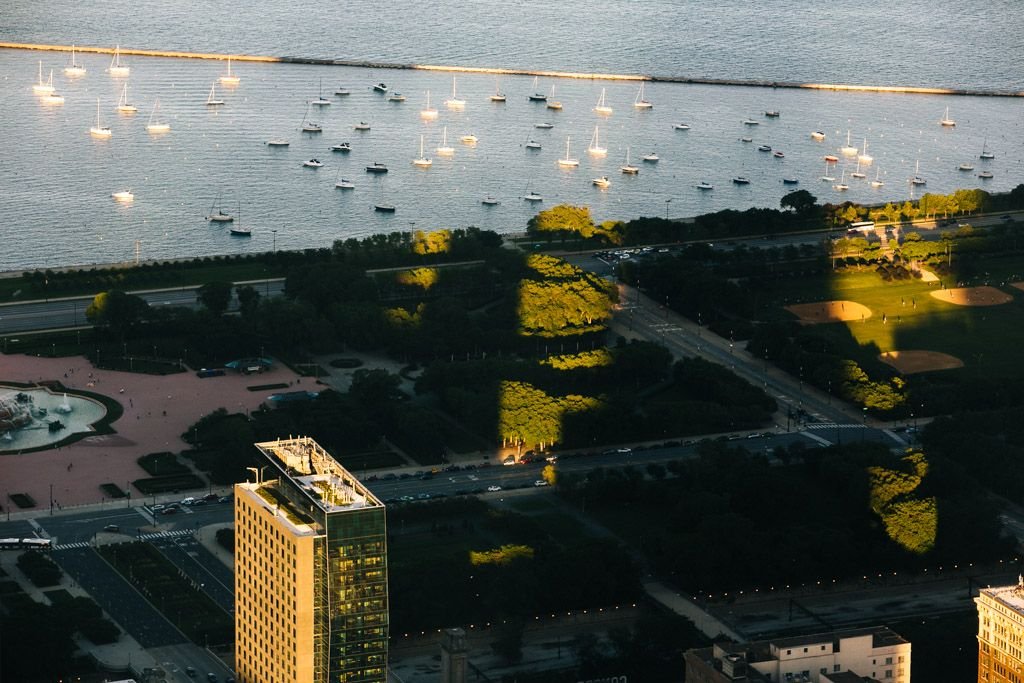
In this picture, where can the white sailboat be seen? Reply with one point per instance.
(116, 68)
(229, 79)
(532, 144)
(218, 216)
(43, 87)
(52, 98)
(568, 161)
(641, 102)
(428, 112)
(212, 100)
(827, 177)
(858, 173)
(965, 166)
(841, 185)
(877, 182)
(864, 157)
(277, 142)
(454, 102)
(155, 125)
(123, 196)
(848, 150)
(100, 130)
(602, 107)
(917, 179)
(704, 185)
(537, 95)
(320, 101)
(123, 105)
(498, 96)
(532, 196)
(445, 150)
(552, 102)
(421, 160)
(946, 121)
(628, 168)
(383, 206)
(308, 126)
(985, 154)
(595, 149)
(74, 69)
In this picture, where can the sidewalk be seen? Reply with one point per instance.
(125, 655)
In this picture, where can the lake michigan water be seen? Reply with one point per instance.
(56, 180)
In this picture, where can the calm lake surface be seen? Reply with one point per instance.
(58, 179)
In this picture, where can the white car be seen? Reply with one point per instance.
(540, 482)
(492, 488)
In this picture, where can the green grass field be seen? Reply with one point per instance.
(986, 338)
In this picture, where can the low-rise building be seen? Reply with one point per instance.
(866, 654)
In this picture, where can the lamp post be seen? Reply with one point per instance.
(667, 202)
(275, 240)
(51, 499)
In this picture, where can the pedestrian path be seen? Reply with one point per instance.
(142, 537)
(833, 425)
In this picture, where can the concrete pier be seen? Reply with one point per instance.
(908, 89)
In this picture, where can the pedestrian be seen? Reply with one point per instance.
(883, 318)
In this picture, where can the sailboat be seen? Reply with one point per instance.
(841, 185)
(229, 79)
(154, 125)
(218, 216)
(552, 102)
(98, 130)
(445, 149)
(74, 69)
(383, 206)
(343, 183)
(116, 68)
(595, 149)
(422, 161)
(320, 101)
(568, 161)
(123, 196)
(965, 166)
(454, 102)
(237, 229)
(602, 182)
(537, 95)
(877, 182)
(211, 100)
(629, 169)
(532, 144)
(917, 179)
(52, 98)
(602, 107)
(532, 196)
(498, 96)
(827, 178)
(123, 105)
(858, 173)
(946, 121)
(43, 87)
(640, 102)
(985, 154)
(847, 150)
(427, 112)
(864, 157)
(308, 126)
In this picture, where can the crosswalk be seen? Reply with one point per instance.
(176, 533)
(833, 425)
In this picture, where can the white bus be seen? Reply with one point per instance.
(860, 228)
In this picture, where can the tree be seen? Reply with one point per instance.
(248, 300)
(116, 310)
(509, 643)
(799, 201)
(215, 296)
(562, 219)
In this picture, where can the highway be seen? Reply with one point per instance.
(69, 312)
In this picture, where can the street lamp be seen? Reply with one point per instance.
(275, 240)
(667, 202)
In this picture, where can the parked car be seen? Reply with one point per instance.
(169, 511)
(493, 488)
(210, 497)
(158, 507)
(540, 482)
(112, 528)
(188, 501)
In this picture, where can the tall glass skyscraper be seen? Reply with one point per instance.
(311, 579)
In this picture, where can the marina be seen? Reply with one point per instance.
(256, 139)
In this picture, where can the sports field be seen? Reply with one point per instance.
(979, 323)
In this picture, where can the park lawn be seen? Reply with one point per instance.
(985, 338)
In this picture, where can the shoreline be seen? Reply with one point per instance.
(369, 64)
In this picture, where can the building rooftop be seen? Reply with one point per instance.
(1011, 596)
(847, 677)
(881, 636)
(318, 475)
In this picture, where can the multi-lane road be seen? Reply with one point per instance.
(69, 312)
